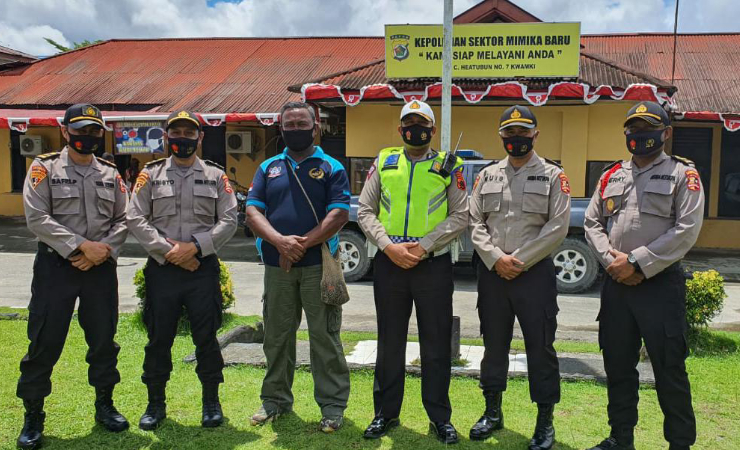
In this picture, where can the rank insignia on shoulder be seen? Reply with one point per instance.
(46, 156)
(554, 163)
(683, 160)
(106, 162)
(213, 164)
(155, 162)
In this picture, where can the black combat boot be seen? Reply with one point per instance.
(33, 424)
(212, 414)
(105, 413)
(544, 432)
(491, 420)
(156, 410)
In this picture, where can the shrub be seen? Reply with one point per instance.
(705, 295)
(227, 296)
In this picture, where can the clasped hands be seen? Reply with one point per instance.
(91, 254)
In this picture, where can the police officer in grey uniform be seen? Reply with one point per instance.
(182, 211)
(519, 214)
(75, 204)
(644, 216)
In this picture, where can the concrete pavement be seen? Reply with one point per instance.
(576, 319)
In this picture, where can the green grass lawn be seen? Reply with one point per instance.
(580, 418)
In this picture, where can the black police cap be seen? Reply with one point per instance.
(517, 115)
(82, 115)
(187, 116)
(650, 112)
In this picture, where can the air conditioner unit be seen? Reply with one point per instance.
(32, 146)
(239, 142)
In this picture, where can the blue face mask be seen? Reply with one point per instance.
(645, 143)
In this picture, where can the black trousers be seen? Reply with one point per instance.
(654, 311)
(429, 286)
(531, 297)
(55, 287)
(169, 288)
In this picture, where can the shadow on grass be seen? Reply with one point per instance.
(712, 343)
(174, 435)
(294, 433)
(404, 438)
(99, 438)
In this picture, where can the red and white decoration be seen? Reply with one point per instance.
(27, 118)
(513, 90)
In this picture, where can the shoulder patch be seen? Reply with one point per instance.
(45, 156)
(213, 164)
(683, 160)
(155, 162)
(554, 163)
(106, 162)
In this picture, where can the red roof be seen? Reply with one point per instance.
(707, 65)
(594, 71)
(218, 75)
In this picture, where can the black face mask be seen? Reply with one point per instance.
(518, 145)
(182, 147)
(645, 143)
(298, 140)
(416, 135)
(86, 144)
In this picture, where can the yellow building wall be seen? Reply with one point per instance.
(572, 135)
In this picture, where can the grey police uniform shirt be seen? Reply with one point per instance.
(444, 233)
(66, 204)
(197, 204)
(654, 212)
(523, 212)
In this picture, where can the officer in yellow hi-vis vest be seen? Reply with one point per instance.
(412, 207)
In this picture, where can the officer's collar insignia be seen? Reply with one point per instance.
(516, 114)
(316, 173)
(415, 105)
(641, 109)
(610, 204)
(275, 171)
(183, 114)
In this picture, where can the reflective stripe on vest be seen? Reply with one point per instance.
(413, 195)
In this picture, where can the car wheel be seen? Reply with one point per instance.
(578, 268)
(353, 255)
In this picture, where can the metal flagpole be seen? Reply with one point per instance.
(447, 77)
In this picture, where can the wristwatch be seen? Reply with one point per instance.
(632, 260)
(197, 245)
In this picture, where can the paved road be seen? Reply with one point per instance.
(576, 318)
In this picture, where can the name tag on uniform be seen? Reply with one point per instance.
(60, 181)
(162, 182)
(206, 182)
(542, 178)
(663, 177)
(104, 184)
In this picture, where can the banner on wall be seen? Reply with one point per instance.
(496, 50)
(133, 138)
